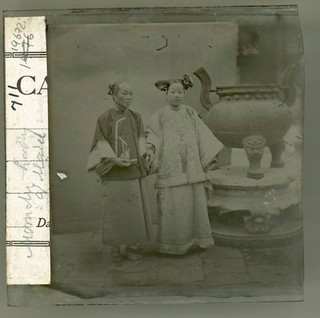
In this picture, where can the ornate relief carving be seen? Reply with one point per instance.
(254, 146)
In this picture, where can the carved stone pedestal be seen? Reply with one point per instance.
(246, 211)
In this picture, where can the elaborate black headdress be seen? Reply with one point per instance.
(163, 85)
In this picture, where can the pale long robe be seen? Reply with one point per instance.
(184, 148)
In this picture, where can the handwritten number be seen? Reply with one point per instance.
(29, 37)
(14, 43)
(30, 252)
(23, 41)
(26, 66)
(39, 196)
(13, 103)
(19, 25)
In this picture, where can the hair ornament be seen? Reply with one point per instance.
(111, 89)
(186, 82)
(163, 85)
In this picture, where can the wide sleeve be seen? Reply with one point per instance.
(153, 132)
(101, 152)
(209, 145)
(154, 141)
(142, 136)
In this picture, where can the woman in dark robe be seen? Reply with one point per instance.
(118, 156)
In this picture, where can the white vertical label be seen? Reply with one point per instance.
(27, 152)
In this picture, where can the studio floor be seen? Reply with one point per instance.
(82, 272)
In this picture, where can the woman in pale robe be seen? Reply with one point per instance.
(183, 149)
(117, 156)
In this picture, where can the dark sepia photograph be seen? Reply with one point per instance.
(176, 147)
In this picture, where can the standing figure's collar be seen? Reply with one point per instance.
(120, 109)
(176, 109)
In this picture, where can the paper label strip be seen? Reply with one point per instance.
(27, 151)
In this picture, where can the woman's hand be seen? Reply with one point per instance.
(121, 162)
(213, 165)
(149, 155)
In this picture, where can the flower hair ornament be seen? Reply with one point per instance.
(163, 85)
(186, 82)
(111, 88)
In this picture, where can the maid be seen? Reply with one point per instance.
(118, 156)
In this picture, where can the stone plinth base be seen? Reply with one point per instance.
(252, 212)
